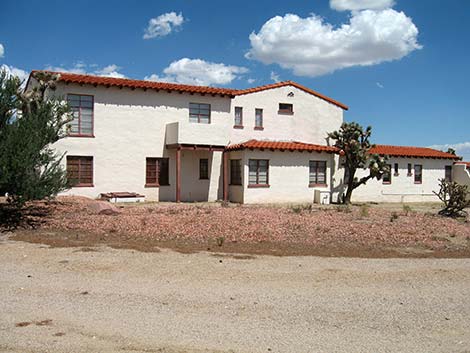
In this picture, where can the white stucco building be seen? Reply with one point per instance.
(173, 142)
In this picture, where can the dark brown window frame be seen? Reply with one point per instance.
(396, 169)
(203, 174)
(236, 178)
(235, 125)
(259, 127)
(156, 163)
(420, 181)
(288, 111)
(389, 174)
(79, 134)
(257, 184)
(317, 169)
(448, 168)
(81, 161)
(199, 115)
(410, 168)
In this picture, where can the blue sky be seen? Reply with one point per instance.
(401, 66)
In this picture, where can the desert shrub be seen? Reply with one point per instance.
(220, 241)
(225, 204)
(364, 211)
(300, 208)
(343, 208)
(407, 210)
(455, 198)
(393, 216)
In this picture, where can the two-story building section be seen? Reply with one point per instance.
(173, 142)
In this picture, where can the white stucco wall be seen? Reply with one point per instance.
(403, 187)
(288, 177)
(461, 175)
(130, 126)
(313, 117)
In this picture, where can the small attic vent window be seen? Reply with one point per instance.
(290, 94)
(286, 108)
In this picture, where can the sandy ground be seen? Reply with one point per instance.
(110, 300)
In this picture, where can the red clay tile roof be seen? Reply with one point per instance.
(294, 84)
(128, 83)
(407, 151)
(283, 146)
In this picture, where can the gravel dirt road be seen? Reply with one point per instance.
(108, 300)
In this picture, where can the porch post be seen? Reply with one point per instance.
(178, 174)
(225, 175)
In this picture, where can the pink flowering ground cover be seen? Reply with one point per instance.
(315, 226)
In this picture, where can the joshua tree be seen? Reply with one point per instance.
(455, 198)
(354, 143)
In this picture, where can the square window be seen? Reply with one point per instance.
(200, 113)
(286, 108)
(80, 170)
(258, 172)
(157, 172)
(317, 173)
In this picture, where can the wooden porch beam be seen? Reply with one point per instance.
(178, 174)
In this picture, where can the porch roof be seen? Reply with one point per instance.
(281, 146)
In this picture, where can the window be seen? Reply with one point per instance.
(238, 117)
(448, 173)
(286, 108)
(317, 175)
(200, 113)
(258, 119)
(387, 176)
(235, 172)
(82, 112)
(418, 173)
(395, 169)
(80, 170)
(258, 172)
(157, 172)
(203, 168)
(409, 170)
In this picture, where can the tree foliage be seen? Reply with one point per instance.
(354, 142)
(455, 198)
(30, 122)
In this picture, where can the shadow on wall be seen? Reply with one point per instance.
(193, 189)
(162, 99)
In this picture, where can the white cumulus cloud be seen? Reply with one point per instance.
(84, 69)
(11, 70)
(311, 47)
(110, 71)
(461, 149)
(2, 50)
(274, 77)
(163, 25)
(355, 5)
(199, 72)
